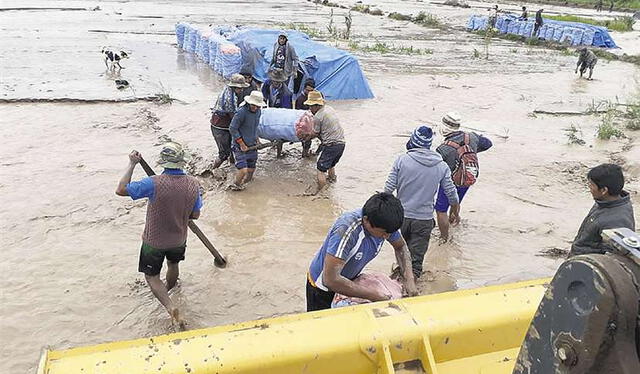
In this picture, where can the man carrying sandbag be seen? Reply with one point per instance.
(326, 126)
(223, 111)
(244, 132)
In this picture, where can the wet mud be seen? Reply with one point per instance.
(71, 245)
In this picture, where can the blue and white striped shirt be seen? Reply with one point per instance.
(349, 241)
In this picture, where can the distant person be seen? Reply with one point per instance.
(284, 57)
(611, 7)
(327, 128)
(612, 209)
(586, 60)
(417, 175)
(309, 85)
(174, 199)
(459, 150)
(538, 24)
(244, 134)
(275, 91)
(254, 85)
(353, 241)
(493, 17)
(222, 113)
(599, 5)
(524, 16)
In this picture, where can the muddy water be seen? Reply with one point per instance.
(71, 245)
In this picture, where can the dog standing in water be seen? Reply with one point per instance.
(112, 59)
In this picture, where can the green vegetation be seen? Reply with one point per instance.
(574, 135)
(624, 23)
(608, 127)
(385, 48)
(618, 5)
(422, 19)
(302, 27)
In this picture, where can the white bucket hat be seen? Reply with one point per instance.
(255, 98)
(450, 123)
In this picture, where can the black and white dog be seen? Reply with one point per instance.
(112, 59)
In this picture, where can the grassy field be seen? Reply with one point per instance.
(617, 4)
(618, 24)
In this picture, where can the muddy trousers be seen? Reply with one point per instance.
(417, 232)
(223, 141)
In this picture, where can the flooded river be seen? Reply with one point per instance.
(71, 246)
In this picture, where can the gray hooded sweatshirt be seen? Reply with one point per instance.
(416, 175)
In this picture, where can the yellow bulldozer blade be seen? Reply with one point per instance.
(475, 331)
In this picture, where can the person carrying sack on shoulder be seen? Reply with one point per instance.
(459, 150)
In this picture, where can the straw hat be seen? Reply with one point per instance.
(315, 98)
(450, 123)
(173, 156)
(255, 98)
(277, 75)
(238, 81)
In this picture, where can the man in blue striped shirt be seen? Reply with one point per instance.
(354, 240)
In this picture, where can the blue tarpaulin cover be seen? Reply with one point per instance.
(279, 124)
(337, 73)
(572, 33)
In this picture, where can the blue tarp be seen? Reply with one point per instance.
(279, 124)
(572, 33)
(336, 72)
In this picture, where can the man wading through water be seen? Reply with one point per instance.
(174, 199)
(416, 175)
(459, 150)
(223, 111)
(244, 134)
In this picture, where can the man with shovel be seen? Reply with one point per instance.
(174, 199)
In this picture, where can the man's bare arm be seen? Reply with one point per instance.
(134, 158)
(337, 283)
(404, 260)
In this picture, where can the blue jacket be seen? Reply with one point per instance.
(417, 175)
(283, 100)
(245, 125)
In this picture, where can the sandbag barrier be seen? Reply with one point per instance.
(224, 57)
(570, 33)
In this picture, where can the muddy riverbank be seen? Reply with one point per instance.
(71, 245)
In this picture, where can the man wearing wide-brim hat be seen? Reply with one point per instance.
(222, 113)
(453, 144)
(327, 128)
(275, 91)
(174, 199)
(244, 134)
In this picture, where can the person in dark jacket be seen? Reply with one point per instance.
(538, 24)
(417, 175)
(223, 111)
(450, 130)
(524, 16)
(275, 91)
(611, 210)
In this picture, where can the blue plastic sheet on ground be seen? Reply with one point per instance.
(279, 124)
(572, 33)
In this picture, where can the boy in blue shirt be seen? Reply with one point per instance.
(355, 240)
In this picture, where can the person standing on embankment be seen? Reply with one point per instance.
(174, 199)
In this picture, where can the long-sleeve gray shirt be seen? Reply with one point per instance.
(417, 175)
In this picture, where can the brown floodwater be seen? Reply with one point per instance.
(71, 246)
